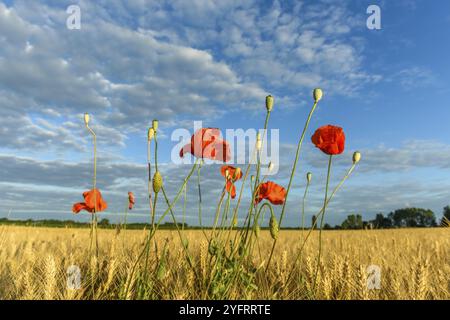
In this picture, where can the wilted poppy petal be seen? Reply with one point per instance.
(271, 191)
(130, 200)
(77, 207)
(231, 189)
(185, 149)
(93, 202)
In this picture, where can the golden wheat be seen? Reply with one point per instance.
(413, 262)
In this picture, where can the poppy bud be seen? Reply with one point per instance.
(258, 142)
(157, 182)
(150, 134)
(86, 119)
(269, 103)
(271, 166)
(309, 177)
(356, 157)
(317, 94)
(155, 125)
(273, 224)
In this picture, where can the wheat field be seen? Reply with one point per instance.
(414, 265)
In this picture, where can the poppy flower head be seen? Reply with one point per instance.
(93, 202)
(206, 143)
(330, 139)
(231, 174)
(271, 191)
(131, 200)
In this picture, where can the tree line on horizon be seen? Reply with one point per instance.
(401, 218)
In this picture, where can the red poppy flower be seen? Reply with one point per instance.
(206, 143)
(330, 139)
(271, 191)
(130, 200)
(93, 201)
(234, 174)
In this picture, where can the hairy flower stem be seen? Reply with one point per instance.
(236, 209)
(321, 222)
(183, 221)
(200, 200)
(299, 254)
(153, 230)
(303, 208)
(256, 184)
(294, 167)
(94, 214)
(149, 185)
(188, 257)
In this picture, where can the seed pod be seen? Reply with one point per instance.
(155, 125)
(317, 94)
(150, 134)
(86, 119)
(273, 224)
(157, 182)
(269, 103)
(309, 177)
(356, 157)
(257, 230)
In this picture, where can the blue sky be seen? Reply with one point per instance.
(215, 61)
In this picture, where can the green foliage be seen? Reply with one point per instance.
(413, 217)
(352, 222)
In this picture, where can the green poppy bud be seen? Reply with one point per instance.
(269, 103)
(273, 225)
(155, 125)
(309, 177)
(356, 157)
(317, 94)
(157, 182)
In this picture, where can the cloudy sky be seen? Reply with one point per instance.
(215, 61)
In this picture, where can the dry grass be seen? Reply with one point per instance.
(414, 265)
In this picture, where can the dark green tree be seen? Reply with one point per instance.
(381, 222)
(446, 218)
(413, 217)
(352, 222)
(313, 222)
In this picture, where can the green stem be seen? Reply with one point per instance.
(321, 222)
(294, 167)
(303, 207)
(347, 175)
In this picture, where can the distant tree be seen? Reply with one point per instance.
(446, 218)
(352, 222)
(313, 222)
(381, 222)
(327, 227)
(104, 222)
(413, 217)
